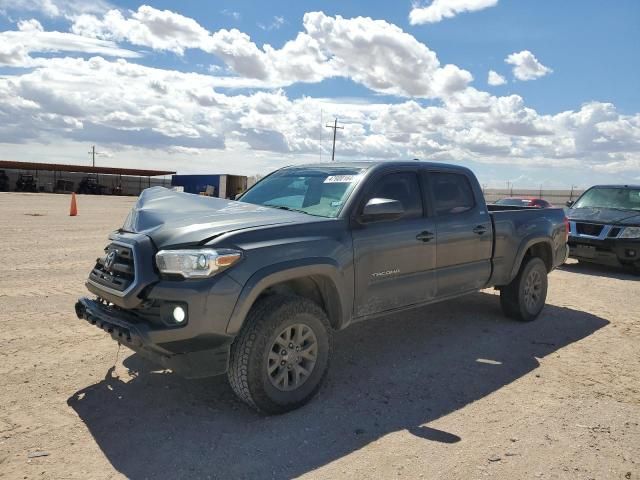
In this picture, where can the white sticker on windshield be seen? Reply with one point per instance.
(340, 178)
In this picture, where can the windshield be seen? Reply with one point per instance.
(315, 191)
(621, 198)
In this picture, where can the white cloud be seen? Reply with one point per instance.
(55, 8)
(495, 79)
(169, 114)
(16, 46)
(526, 66)
(382, 57)
(277, 22)
(184, 150)
(123, 105)
(32, 25)
(231, 13)
(374, 53)
(150, 27)
(438, 10)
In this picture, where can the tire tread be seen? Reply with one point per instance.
(263, 318)
(510, 300)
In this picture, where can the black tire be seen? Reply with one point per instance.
(521, 300)
(251, 354)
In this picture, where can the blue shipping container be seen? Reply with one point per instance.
(196, 183)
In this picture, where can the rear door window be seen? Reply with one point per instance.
(452, 193)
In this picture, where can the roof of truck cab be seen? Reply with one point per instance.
(371, 164)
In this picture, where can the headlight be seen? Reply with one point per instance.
(630, 232)
(196, 263)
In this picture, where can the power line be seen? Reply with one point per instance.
(335, 128)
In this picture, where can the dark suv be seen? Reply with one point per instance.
(605, 226)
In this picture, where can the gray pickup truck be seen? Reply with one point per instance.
(256, 287)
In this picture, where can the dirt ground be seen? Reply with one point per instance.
(449, 391)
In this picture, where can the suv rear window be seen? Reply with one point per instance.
(452, 193)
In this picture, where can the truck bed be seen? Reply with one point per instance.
(512, 226)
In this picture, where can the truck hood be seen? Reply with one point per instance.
(604, 215)
(172, 218)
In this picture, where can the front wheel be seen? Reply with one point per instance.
(281, 355)
(524, 298)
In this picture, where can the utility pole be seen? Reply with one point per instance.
(93, 154)
(335, 130)
(571, 194)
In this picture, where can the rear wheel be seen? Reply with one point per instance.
(524, 298)
(281, 356)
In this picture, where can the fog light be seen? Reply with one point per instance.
(631, 253)
(179, 314)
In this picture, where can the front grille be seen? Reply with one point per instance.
(119, 273)
(614, 232)
(589, 229)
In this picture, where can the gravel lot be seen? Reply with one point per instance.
(449, 391)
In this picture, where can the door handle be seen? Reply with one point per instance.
(480, 230)
(425, 236)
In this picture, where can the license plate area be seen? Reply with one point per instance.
(586, 251)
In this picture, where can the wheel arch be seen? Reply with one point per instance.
(540, 247)
(319, 281)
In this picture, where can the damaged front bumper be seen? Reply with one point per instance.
(134, 305)
(194, 358)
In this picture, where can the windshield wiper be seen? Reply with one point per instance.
(284, 207)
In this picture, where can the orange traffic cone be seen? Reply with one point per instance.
(73, 211)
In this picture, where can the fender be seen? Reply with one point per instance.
(524, 246)
(281, 272)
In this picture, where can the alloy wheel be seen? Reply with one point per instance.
(292, 357)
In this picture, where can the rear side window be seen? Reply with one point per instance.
(403, 187)
(452, 193)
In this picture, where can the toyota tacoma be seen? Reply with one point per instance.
(255, 288)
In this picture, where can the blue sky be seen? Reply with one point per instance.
(569, 100)
(595, 47)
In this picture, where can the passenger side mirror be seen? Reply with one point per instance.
(569, 203)
(378, 209)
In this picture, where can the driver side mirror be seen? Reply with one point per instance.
(378, 209)
(569, 203)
